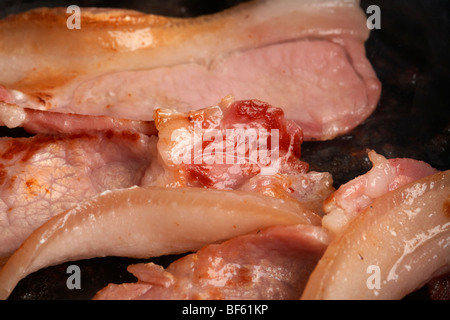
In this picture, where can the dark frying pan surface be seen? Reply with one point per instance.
(410, 56)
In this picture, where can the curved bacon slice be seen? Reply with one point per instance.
(274, 263)
(43, 122)
(356, 195)
(148, 222)
(392, 248)
(306, 57)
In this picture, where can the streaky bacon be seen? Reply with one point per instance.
(274, 263)
(304, 56)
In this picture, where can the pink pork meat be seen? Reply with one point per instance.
(306, 57)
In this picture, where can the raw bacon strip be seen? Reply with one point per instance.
(353, 197)
(148, 222)
(44, 175)
(390, 249)
(306, 57)
(272, 264)
(36, 121)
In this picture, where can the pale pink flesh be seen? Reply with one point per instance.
(358, 194)
(44, 175)
(148, 222)
(43, 122)
(272, 264)
(314, 82)
(390, 249)
(306, 57)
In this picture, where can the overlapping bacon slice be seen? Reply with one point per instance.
(391, 245)
(358, 194)
(306, 57)
(396, 245)
(169, 210)
(148, 222)
(43, 122)
(92, 99)
(402, 231)
(274, 263)
(390, 231)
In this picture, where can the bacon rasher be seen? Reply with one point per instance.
(306, 57)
